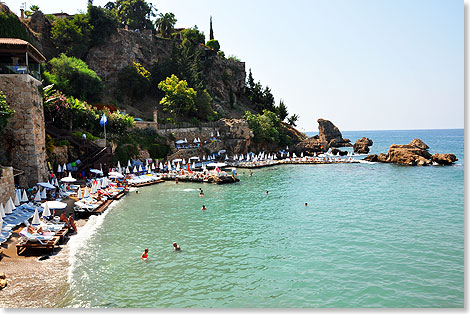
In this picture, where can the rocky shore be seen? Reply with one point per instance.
(413, 154)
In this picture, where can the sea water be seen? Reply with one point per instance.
(372, 235)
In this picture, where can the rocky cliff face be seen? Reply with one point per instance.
(328, 132)
(362, 145)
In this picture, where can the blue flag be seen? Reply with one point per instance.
(103, 120)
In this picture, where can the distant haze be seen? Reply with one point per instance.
(364, 65)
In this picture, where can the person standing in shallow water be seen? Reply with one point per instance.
(267, 192)
(176, 247)
(203, 207)
(145, 255)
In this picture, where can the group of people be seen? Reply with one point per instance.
(145, 255)
(69, 221)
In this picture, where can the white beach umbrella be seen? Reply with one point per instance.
(212, 134)
(37, 197)
(64, 167)
(194, 165)
(127, 170)
(1, 223)
(24, 198)
(140, 168)
(134, 170)
(226, 157)
(184, 161)
(12, 205)
(59, 169)
(153, 166)
(87, 193)
(36, 221)
(113, 174)
(98, 185)
(2, 211)
(129, 163)
(54, 205)
(178, 167)
(46, 212)
(161, 165)
(17, 200)
(68, 179)
(146, 162)
(195, 140)
(43, 194)
(8, 209)
(185, 140)
(287, 154)
(79, 194)
(148, 170)
(218, 135)
(119, 164)
(302, 155)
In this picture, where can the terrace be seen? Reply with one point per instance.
(20, 57)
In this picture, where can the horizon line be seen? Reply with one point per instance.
(369, 130)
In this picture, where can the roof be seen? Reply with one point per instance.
(20, 45)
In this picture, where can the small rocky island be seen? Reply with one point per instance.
(413, 154)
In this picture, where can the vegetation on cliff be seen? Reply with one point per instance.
(5, 111)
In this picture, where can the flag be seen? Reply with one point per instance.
(103, 120)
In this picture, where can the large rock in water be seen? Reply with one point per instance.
(444, 159)
(413, 154)
(330, 133)
(362, 145)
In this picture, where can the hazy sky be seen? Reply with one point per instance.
(363, 64)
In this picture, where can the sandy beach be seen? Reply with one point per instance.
(34, 280)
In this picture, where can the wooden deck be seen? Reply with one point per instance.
(46, 245)
(138, 185)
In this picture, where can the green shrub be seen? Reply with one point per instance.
(125, 152)
(73, 77)
(133, 81)
(11, 27)
(5, 111)
(61, 143)
(103, 22)
(158, 151)
(72, 36)
(213, 44)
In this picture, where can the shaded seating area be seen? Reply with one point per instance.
(20, 57)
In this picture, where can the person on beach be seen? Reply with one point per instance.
(62, 217)
(145, 255)
(176, 247)
(203, 207)
(71, 223)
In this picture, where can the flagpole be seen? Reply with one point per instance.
(105, 134)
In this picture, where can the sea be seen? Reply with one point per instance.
(372, 235)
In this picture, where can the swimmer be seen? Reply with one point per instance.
(176, 247)
(201, 194)
(306, 204)
(137, 192)
(203, 207)
(145, 255)
(267, 192)
(251, 173)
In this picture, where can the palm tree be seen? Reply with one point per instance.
(165, 24)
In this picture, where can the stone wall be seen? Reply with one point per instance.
(7, 184)
(22, 144)
(146, 124)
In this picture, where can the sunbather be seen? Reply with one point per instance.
(71, 223)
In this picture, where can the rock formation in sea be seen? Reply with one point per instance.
(362, 145)
(413, 154)
(330, 133)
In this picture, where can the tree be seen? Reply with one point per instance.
(268, 99)
(292, 120)
(193, 36)
(165, 24)
(211, 32)
(179, 98)
(250, 81)
(72, 36)
(134, 81)
(5, 111)
(103, 23)
(213, 44)
(135, 14)
(32, 9)
(73, 77)
(203, 104)
(281, 111)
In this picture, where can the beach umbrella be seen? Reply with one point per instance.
(185, 140)
(8, 209)
(43, 194)
(87, 193)
(64, 167)
(46, 212)
(212, 134)
(98, 185)
(96, 171)
(1, 224)
(129, 163)
(302, 154)
(36, 221)
(226, 157)
(68, 179)
(218, 135)
(2, 211)
(46, 185)
(127, 170)
(134, 170)
(140, 168)
(161, 165)
(153, 166)
(79, 194)
(287, 154)
(119, 164)
(195, 140)
(37, 197)
(59, 169)
(178, 167)
(17, 200)
(54, 205)
(113, 174)
(194, 165)
(12, 204)
(184, 161)
(204, 157)
(287, 147)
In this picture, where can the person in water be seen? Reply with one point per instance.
(203, 207)
(176, 247)
(267, 192)
(201, 193)
(306, 204)
(145, 255)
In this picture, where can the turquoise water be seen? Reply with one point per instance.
(372, 235)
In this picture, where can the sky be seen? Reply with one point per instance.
(362, 64)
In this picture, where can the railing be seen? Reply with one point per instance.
(33, 69)
(184, 125)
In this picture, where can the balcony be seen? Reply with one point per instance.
(32, 69)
